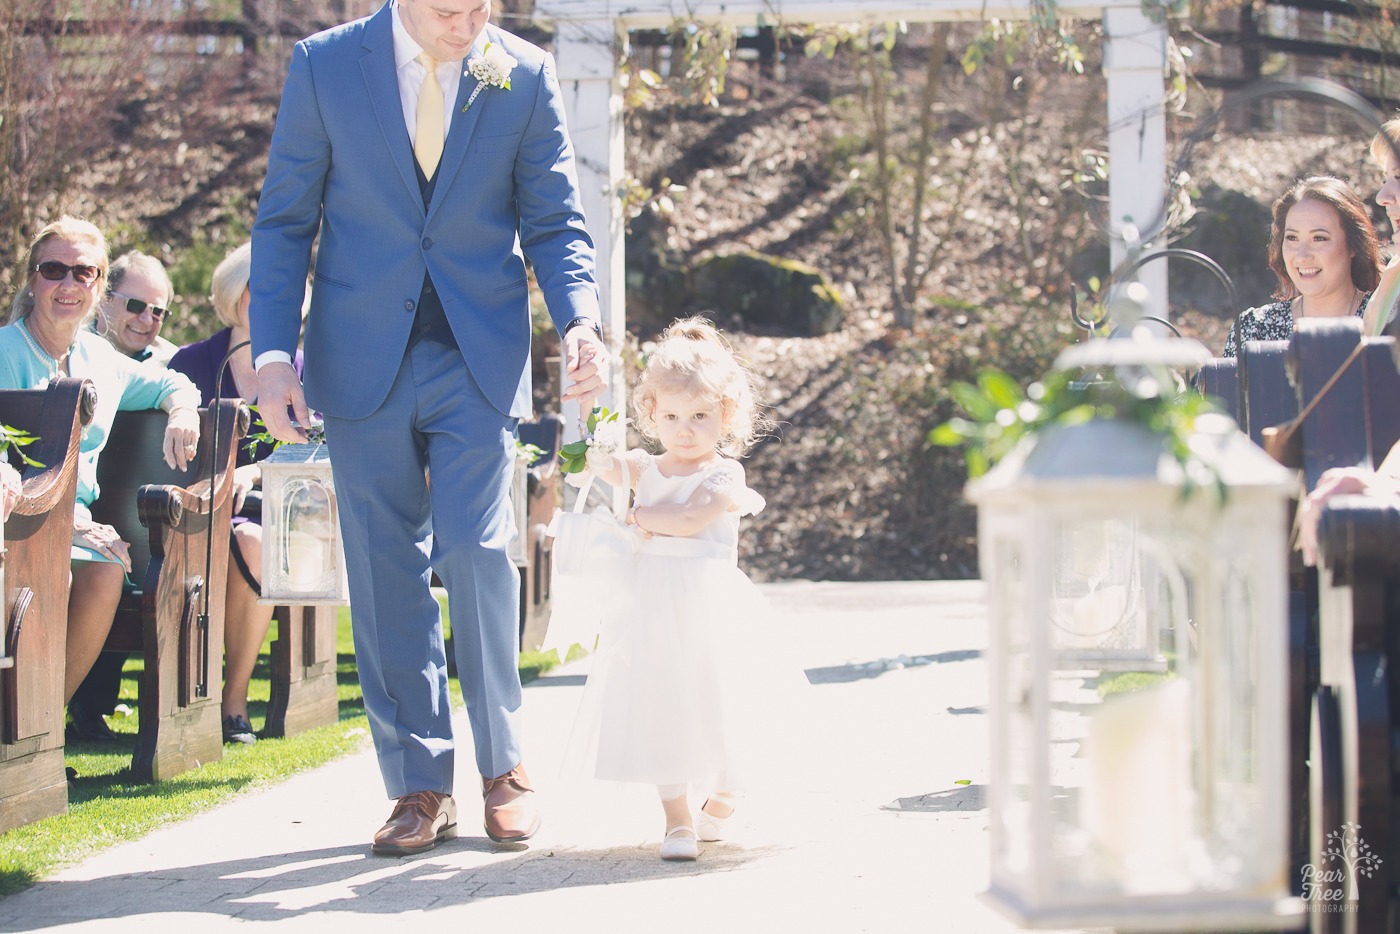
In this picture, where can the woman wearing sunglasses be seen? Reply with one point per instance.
(138, 295)
(47, 337)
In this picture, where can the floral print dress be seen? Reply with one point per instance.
(1272, 322)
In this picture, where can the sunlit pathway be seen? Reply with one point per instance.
(874, 832)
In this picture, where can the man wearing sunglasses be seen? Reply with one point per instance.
(138, 294)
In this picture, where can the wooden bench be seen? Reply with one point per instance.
(1219, 381)
(38, 535)
(1266, 396)
(1354, 753)
(303, 689)
(175, 614)
(1356, 709)
(1342, 756)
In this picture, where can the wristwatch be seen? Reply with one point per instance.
(583, 321)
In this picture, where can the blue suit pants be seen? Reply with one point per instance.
(423, 484)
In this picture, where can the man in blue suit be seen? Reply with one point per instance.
(427, 149)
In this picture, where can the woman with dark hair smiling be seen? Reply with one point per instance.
(1326, 257)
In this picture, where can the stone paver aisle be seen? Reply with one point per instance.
(874, 834)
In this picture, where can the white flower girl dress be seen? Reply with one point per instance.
(676, 689)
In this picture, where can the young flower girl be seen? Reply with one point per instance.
(673, 693)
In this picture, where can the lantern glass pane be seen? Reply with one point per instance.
(1012, 757)
(1098, 611)
(1152, 778)
(306, 546)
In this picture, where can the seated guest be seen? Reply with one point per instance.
(1325, 255)
(245, 620)
(139, 294)
(1383, 151)
(47, 337)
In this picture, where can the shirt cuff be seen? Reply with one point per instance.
(272, 356)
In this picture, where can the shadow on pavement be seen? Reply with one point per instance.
(860, 671)
(963, 798)
(349, 879)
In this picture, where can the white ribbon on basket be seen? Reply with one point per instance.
(593, 558)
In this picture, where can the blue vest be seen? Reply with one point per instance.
(429, 319)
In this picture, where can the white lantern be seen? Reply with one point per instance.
(1134, 784)
(303, 558)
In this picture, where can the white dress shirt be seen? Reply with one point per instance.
(411, 74)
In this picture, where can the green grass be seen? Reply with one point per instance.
(1127, 681)
(107, 807)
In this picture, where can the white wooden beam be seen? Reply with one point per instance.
(653, 14)
(590, 36)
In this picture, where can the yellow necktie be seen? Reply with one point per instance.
(427, 139)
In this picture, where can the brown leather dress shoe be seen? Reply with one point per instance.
(512, 811)
(419, 822)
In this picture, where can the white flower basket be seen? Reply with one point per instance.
(592, 558)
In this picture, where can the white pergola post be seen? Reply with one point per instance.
(590, 33)
(587, 50)
(1134, 64)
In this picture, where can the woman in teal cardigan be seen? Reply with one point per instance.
(47, 338)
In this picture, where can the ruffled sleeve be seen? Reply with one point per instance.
(728, 478)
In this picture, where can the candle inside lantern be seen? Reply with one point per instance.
(305, 560)
(1137, 803)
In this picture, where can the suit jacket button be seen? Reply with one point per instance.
(408, 305)
(427, 243)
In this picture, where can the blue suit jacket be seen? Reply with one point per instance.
(341, 165)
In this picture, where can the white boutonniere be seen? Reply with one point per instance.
(491, 69)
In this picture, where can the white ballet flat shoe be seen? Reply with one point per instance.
(710, 828)
(680, 844)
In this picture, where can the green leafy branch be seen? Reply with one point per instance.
(18, 440)
(1001, 414)
(529, 453)
(315, 434)
(573, 457)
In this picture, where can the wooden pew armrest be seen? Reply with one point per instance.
(182, 508)
(44, 487)
(1359, 536)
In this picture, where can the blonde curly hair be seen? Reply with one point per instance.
(692, 357)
